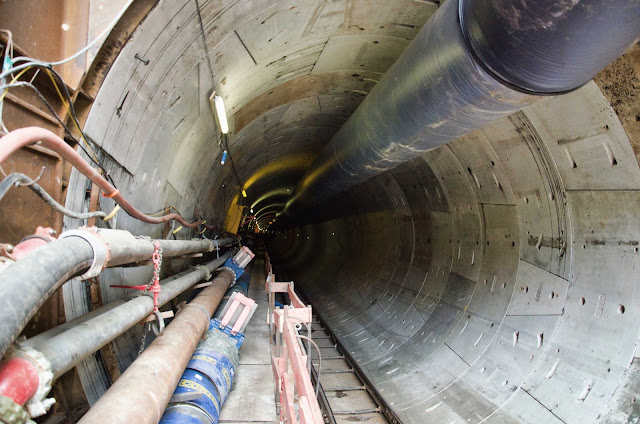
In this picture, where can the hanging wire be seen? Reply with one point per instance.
(319, 360)
(18, 179)
(233, 166)
(204, 42)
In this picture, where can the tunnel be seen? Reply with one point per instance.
(488, 278)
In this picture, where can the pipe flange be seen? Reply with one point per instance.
(233, 272)
(101, 251)
(12, 413)
(39, 404)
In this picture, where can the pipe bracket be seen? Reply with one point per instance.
(101, 251)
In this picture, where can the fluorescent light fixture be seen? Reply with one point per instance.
(217, 106)
(224, 157)
(244, 193)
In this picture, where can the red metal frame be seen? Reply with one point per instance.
(289, 362)
(238, 300)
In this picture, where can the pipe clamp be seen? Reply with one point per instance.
(101, 251)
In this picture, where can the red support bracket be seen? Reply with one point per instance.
(154, 287)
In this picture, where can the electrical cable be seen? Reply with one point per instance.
(319, 361)
(20, 179)
(25, 136)
(6, 60)
(67, 101)
(204, 41)
(68, 104)
(31, 61)
(75, 119)
(72, 112)
(74, 116)
(233, 166)
(53, 112)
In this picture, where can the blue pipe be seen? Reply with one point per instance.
(241, 285)
(208, 379)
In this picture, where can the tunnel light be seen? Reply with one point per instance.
(251, 210)
(244, 193)
(217, 106)
(224, 158)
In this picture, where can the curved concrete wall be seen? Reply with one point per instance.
(490, 280)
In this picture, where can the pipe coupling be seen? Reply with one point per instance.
(101, 251)
(39, 404)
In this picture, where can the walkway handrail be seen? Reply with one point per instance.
(291, 367)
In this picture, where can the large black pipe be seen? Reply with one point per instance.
(27, 284)
(548, 46)
(440, 88)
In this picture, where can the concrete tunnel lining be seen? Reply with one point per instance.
(439, 276)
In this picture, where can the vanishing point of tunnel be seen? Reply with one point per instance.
(430, 209)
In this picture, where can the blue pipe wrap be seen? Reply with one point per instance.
(237, 339)
(184, 413)
(212, 367)
(210, 372)
(217, 367)
(193, 381)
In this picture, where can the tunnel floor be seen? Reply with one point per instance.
(254, 380)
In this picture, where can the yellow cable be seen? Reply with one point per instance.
(66, 105)
(112, 213)
(6, 90)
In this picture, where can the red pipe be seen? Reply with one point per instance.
(22, 137)
(18, 379)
